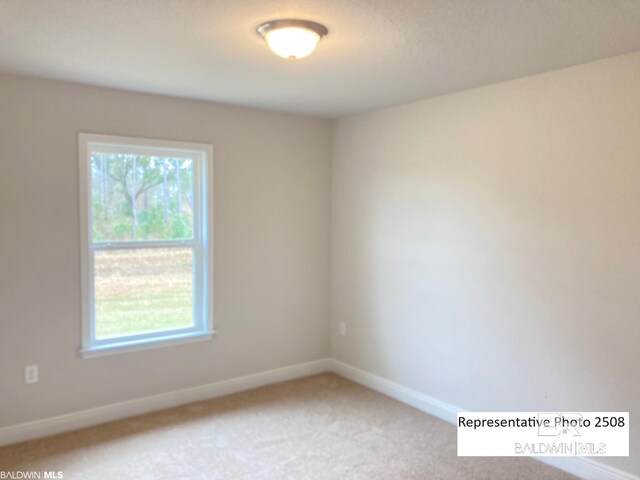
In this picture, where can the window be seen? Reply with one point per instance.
(146, 243)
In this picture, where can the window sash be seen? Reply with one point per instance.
(129, 245)
(201, 243)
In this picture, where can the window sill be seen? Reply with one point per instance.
(146, 344)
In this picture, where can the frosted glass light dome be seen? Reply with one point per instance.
(292, 39)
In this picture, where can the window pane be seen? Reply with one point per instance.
(138, 197)
(142, 290)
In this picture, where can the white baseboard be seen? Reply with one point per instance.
(93, 416)
(406, 395)
(582, 467)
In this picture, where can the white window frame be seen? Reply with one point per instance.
(202, 244)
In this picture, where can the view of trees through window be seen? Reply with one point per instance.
(141, 197)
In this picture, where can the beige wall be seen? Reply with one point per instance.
(486, 244)
(271, 244)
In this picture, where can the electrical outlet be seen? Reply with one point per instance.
(31, 374)
(342, 329)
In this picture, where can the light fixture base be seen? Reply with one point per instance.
(266, 27)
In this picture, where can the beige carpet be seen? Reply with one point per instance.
(320, 427)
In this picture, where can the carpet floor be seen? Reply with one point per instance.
(318, 428)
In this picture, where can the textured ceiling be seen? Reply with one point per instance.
(377, 53)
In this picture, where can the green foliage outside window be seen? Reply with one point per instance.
(137, 197)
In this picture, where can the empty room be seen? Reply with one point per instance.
(320, 239)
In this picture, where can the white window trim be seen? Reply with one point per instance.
(203, 236)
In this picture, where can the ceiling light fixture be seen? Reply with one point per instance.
(292, 39)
